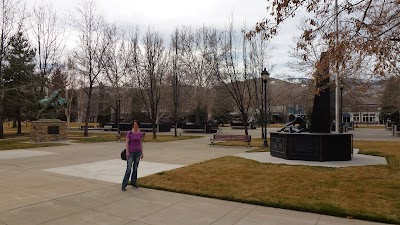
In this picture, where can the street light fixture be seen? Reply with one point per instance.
(265, 77)
(341, 85)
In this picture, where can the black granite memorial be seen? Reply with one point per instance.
(148, 127)
(319, 144)
(199, 128)
(240, 125)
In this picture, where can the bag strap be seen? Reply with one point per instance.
(130, 135)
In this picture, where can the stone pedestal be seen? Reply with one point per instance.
(48, 130)
(312, 146)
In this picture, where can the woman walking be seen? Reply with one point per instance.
(134, 152)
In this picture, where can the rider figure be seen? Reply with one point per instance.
(293, 121)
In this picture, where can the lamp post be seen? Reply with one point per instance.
(265, 76)
(262, 109)
(341, 106)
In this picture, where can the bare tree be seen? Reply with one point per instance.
(153, 70)
(11, 21)
(197, 56)
(175, 81)
(116, 65)
(239, 70)
(367, 29)
(71, 86)
(91, 49)
(48, 32)
(258, 59)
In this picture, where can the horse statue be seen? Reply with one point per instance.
(54, 102)
(60, 104)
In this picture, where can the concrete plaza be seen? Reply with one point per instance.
(80, 184)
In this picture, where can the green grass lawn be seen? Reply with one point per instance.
(367, 192)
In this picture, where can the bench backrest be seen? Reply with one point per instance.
(232, 137)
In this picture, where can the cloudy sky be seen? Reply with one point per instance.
(164, 16)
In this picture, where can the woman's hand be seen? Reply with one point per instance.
(127, 154)
(141, 157)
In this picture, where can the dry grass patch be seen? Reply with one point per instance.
(380, 127)
(107, 137)
(260, 149)
(20, 143)
(9, 130)
(76, 124)
(369, 193)
(93, 137)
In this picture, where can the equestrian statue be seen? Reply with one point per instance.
(54, 104)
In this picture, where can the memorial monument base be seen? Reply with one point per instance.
(45, 130)
(312, 146)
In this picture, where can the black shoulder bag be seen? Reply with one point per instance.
(123, 153)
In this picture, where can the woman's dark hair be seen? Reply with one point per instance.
(136, 121)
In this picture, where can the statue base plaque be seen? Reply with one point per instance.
(45, 130)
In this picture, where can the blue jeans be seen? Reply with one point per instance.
(134, 158)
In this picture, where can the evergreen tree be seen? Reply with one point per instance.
(18, 74)
(390, 100)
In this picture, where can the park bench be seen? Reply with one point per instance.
(107, 127)
(83, 127)
(146, 127)
(221, 137)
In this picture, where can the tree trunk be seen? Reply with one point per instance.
(175, 119)
(154, 129)
(14, 123)
(67, 111)
(154, 121)
(198, 114)
(1, 105)
(176, 125)
(244, 119)
(68, 118)
(19, 131)
(116, 112)
(1, 119)
(86, 131)
(1, 127)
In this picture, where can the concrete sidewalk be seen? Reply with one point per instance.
(34, 189)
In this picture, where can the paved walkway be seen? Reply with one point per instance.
(59, 185)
